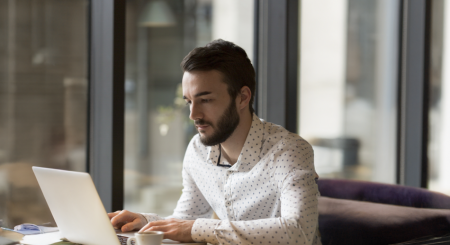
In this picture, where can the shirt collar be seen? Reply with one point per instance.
(251, 151)
(213, 154)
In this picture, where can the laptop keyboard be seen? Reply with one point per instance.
(123, 240)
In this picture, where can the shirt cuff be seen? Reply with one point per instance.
(203, 230)
(151, 217)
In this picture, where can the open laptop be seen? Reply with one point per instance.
(77, 208)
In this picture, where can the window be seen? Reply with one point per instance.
(348, 86)
(439, 100)
(157, 124)
(43, 96)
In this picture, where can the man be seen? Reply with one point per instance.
(256, 176)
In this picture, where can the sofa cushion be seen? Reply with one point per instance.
(359, 222)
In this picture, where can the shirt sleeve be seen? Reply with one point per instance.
(298, 223)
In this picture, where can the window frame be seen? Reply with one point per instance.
(276, 63)
(106, 103)
(413, 97)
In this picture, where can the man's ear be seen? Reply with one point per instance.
(244, 97)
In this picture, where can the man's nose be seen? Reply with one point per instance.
(196, 112)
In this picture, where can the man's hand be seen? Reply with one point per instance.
(175, 229)
(127, 221)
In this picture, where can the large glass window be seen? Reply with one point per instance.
(43, 94)
(348, 86)
(439, 103)
(157, 126)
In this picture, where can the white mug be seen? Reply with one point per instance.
(147, 238)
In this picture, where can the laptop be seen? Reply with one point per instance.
(77, 208)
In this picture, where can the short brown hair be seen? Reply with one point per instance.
(227, 58)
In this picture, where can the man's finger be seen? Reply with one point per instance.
(159, 222)
(112, 215)
(145, 227)
(117, 221)
(154, 223)
(134, 225)
(157, 228)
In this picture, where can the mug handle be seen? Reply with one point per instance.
(130, 239)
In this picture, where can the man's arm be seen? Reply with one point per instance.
(297, 225)
(191, 205)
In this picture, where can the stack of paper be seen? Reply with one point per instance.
(41, 239)
(9, 235)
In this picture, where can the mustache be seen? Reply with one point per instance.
(201, 122)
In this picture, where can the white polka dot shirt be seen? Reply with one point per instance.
(269, 196)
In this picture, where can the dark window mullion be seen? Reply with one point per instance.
(106, 100)
(413, 101)
(277, 63)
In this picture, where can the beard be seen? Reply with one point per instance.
(228, 122)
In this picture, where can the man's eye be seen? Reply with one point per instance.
(188, 102)
(206, 100)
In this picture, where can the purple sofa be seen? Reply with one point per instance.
(359, 212)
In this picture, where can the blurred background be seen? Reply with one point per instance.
(157, 124)
(43, 100)
(347, 90)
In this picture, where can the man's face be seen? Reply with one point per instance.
(212, 109)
